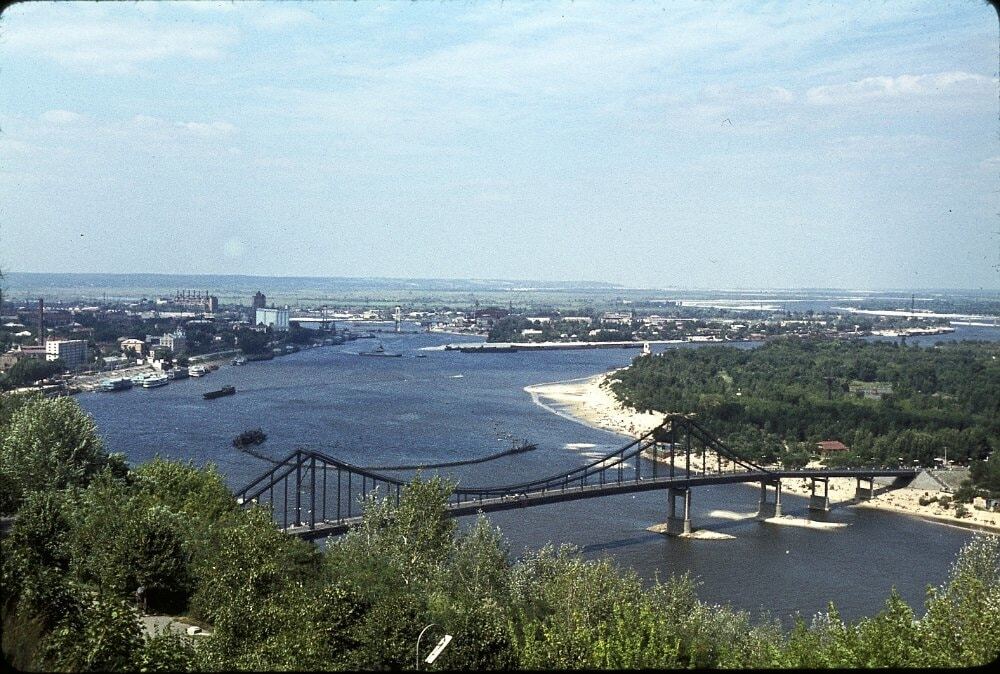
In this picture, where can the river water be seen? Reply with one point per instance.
(449, 405)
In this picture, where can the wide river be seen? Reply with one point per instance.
(450, 405)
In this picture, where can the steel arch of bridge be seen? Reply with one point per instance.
(312, 494)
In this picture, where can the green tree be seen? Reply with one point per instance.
(51, 444)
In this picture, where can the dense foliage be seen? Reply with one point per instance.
(80, 547)
(766, 400)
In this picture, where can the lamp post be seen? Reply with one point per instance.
(437, 650)
(418, 643)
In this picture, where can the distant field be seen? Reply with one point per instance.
(375, 292)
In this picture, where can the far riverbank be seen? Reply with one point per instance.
(588, 400)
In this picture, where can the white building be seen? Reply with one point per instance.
(175, 341)
(276, 319)
(73, 352)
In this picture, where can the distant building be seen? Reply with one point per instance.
(619, 317)
(14, 356)
(277, 319)
(197, 301)
(487, 318)
(175, 341)
(831, 446)
(72, 352)
(259, 300)
(137, 345)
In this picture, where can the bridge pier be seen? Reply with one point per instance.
(677, 526)
(816, 502)
(766, 509)
(862, 494)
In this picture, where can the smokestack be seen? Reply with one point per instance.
(41, 322)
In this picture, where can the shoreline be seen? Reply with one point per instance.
(585, 400)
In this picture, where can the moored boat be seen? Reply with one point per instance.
(198, 371)
(239, 360)
(178, 373)
(155, 381)
(119, 384)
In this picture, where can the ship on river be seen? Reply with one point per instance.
(224, 391)
(380, 351)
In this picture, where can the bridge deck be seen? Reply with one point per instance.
(575, 492)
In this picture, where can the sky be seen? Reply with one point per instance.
(651, 144)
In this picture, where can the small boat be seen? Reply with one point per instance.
(380, 351)
(254, 436)
(155, 381)
(178, 373)
(198, 371)
(120, 384)
(224, 391)
(239, 360)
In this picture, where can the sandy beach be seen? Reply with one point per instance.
(589, 402)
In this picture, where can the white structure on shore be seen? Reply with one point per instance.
(73, 352)
(276, 319)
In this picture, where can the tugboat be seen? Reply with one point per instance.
(224, 391)
(380, 351)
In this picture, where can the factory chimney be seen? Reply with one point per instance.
(41, 322)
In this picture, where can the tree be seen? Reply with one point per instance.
(29, 370)
(50, 444)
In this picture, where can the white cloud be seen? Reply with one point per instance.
(281, 17)
(882, 87)
(210, 129)
(60, 116)
(114, 46)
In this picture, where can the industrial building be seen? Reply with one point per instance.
(276, 319)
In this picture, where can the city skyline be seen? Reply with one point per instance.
(649, 146)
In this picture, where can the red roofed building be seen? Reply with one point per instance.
(829, 446)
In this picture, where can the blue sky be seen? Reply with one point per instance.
(653, 144)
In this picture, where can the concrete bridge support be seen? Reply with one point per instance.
(817, 502)
(679, 525)
(863, 493)
(767, 509)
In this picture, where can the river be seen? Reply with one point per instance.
(449, 405)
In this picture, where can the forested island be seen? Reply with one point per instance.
(268, 601)
(890, 404)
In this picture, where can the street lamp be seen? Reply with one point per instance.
(437, 649)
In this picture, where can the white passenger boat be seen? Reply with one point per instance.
(155, 381)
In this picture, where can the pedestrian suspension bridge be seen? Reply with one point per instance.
(313, 495)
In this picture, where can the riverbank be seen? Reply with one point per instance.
(589, 401)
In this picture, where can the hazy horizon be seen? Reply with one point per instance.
(432, 283)
(654, 145)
